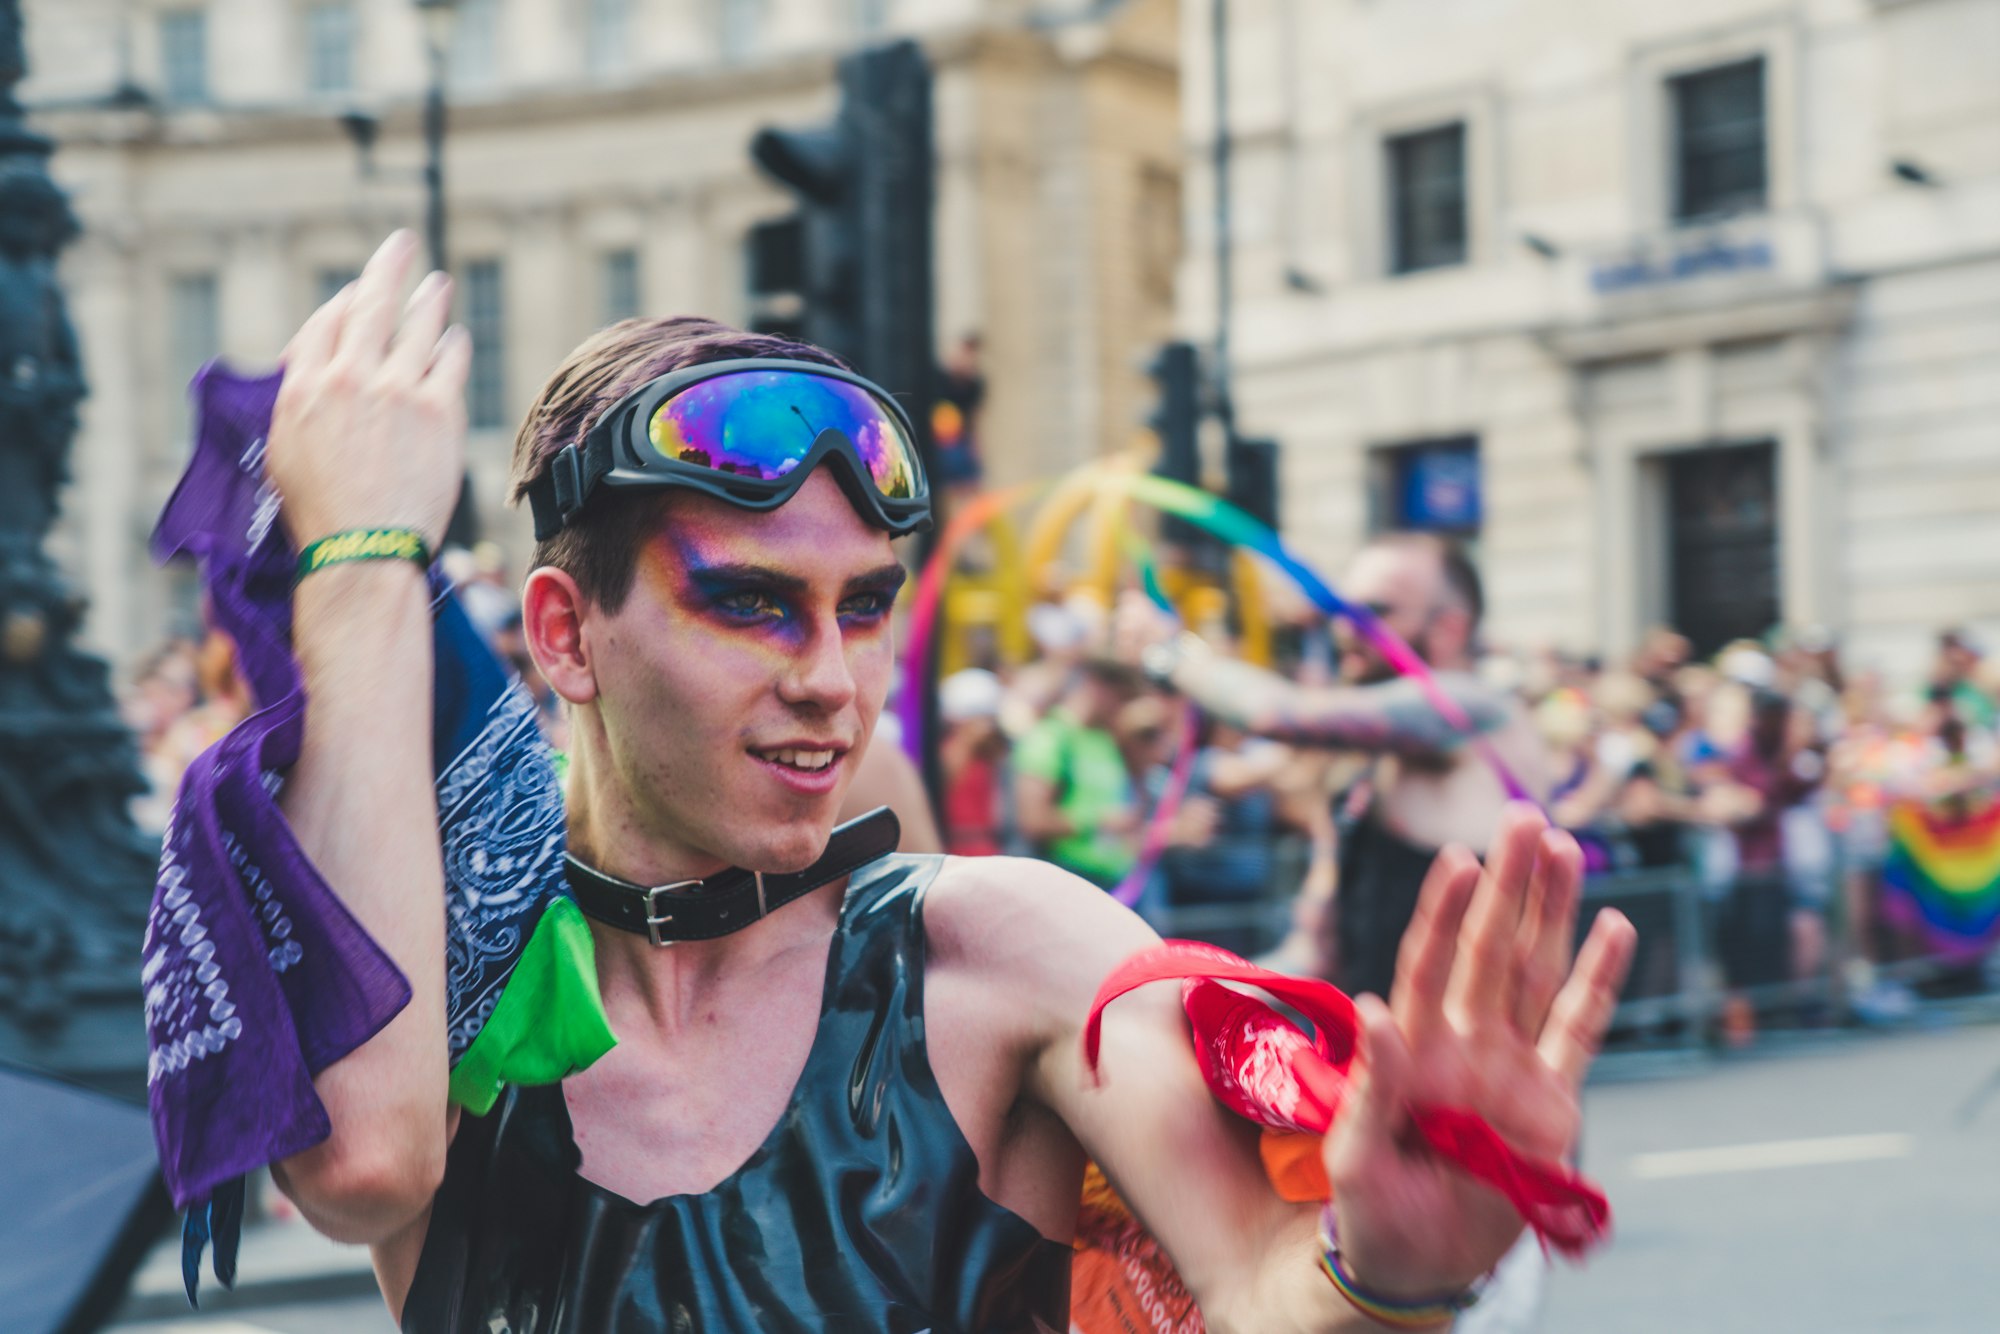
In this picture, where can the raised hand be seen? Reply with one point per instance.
(369, 430)
(1487, 1014)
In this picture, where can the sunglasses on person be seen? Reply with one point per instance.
(748, 431)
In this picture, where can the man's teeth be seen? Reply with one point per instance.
(802, 759)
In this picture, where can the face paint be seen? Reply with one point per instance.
(740, 681)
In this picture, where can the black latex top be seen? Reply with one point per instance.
(860, 1212)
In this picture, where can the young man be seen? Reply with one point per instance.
(868, 1109)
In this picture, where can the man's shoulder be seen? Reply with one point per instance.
(1020, 916)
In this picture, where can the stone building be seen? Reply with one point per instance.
(597, 167)
(1684, 312)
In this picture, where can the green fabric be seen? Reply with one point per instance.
(549, 1022)
(1973, 705)
(1085, 767)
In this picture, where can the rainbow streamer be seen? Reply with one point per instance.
(1943, 875)
(929, 596)
(1235, 527)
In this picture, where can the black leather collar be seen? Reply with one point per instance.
(728, 900)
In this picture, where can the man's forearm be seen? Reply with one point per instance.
(1394, 716)
(361, 802)
(1288, 1294)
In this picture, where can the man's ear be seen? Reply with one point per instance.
(552, 612)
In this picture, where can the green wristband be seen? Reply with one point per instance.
(365, 544)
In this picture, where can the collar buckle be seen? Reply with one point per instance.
(655, 919)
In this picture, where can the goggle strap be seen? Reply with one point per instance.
(557, 496)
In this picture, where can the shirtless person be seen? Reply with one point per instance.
(868, 1109)
(1429, 788)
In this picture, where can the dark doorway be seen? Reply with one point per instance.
(1722, 543)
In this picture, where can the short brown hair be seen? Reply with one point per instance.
(599, 551)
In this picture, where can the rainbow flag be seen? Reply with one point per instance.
(1943, 874)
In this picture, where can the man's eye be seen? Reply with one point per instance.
(748, 606)
(865, 606)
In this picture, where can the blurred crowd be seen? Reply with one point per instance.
(1764, 773)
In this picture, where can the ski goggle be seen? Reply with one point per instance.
(749, 432)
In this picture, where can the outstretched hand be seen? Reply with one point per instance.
(369, 429)
(1488, 1013)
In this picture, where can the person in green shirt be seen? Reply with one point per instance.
(1074, 799)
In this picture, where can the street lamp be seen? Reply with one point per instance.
(440, 17)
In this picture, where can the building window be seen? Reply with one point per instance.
(184, 56)
(475, 43)
(608, 35)
(194, 336)
(1429, 486)
(736, 23)
(485, 320)
(1719, 159)
(1427, 199)
(618, 285)
(330, 48)
(1722, 557)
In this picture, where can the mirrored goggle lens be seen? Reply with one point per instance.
(762, 424)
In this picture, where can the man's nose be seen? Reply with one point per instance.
(821, 675)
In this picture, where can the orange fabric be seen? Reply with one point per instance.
(1292, 1161)
(1121, 1282)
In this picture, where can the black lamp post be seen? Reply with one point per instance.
(440, 18)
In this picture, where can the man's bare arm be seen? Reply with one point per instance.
(361, 803)
(1488, 1014)
(369, 432)
(1036, 813)
(1189, 1169)
(1389, 716)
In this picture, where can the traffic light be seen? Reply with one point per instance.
(851, 268)
(1176, 415)
(1253, 478)
(1176, 419)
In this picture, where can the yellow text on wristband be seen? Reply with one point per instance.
(364, 544)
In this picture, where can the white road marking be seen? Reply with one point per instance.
(1775, 1153)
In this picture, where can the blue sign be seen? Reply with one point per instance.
(1712, 255)
(1438, 487)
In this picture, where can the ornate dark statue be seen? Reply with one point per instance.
(75, 873)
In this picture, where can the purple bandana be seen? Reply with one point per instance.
(256, 976)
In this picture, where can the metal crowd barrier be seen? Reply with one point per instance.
(1697, 947)
(1671, 995)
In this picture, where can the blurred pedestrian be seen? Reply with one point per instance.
(971, 752)
(1073, 794)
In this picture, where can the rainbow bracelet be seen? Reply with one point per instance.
(1384, 1310)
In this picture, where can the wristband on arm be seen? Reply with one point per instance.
(365, 544)
(1434, 1313)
